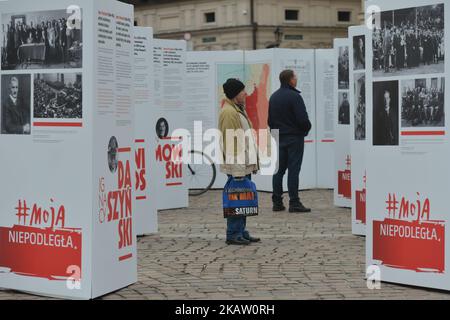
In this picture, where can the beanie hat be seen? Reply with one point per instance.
(232, 88)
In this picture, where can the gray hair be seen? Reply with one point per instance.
(14, 79)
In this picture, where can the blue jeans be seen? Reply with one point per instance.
(290, 153)
(236, 225)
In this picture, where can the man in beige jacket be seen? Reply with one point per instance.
(240, 158)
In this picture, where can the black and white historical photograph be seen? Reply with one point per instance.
(58, 95)
(360, 106)
(113, 154)
(385, 113)
(343, 68)
(409, 41)
(41, 40)
(162, 128)
(423, 102)
(16, 104)
(344, 109)
(359, 53)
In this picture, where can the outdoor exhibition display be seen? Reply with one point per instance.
(407, 140)
(302, 61)
(201, 118)
(67, 141)
(326, 85)
(358, 67)
(146, 186)
(95, 128)
(342, 119)
(169, 114)
(204, 76)
(259, 70)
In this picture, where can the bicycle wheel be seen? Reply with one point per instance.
(200, 174)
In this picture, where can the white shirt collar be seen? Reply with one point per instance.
(14, 100)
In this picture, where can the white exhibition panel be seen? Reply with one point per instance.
(358, 69)
(227, 64)
(342, 120)
(206, 71)
(325, 105)
(260, 73)
(302, 61)
(169, 69)
(73, 191)
(259, 70)
(146, 215)
(202, 109)
(114, 247)
(407, 170)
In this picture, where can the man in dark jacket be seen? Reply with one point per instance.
(344, 110)
(15, 116)
(386, 123)
(287, 113)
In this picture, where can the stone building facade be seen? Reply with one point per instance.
(249, 24)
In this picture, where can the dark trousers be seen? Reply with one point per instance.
(290, 155)
(236, 225)
(386, 62)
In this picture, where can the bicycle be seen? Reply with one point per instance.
(201, 174)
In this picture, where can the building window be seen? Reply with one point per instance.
(209, 39)
(210, 17)
(291, 15)
(293, 37)
(344, 16)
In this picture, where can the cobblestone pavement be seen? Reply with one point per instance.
(301, 256)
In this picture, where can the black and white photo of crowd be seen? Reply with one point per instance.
(409, 41)
(15, 115)
(359, 53)
(41, 40)
(360, 106)
(343, 68)
(423, 103)
(344, 109)
(58, 95)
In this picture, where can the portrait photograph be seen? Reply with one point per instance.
(359, 53)
(16, 104)
(385, 113)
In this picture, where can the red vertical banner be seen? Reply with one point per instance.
(345, 184)
(140, 174)
(360, 197)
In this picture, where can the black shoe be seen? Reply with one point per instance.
(299, 208)
(238, 241)
(278, 207)
(253, 239)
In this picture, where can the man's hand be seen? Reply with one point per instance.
(26, 128)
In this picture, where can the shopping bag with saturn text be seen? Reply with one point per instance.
(240, 198)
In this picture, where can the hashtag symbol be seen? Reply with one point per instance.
(392, 205)
(348, 162)
(22, 211)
